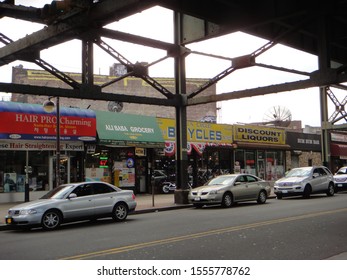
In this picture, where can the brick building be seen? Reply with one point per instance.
(129, 86)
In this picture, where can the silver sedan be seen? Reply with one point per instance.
(73, 202)
(231, 188)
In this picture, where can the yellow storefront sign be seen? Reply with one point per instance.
(259, 134)
(198, 132)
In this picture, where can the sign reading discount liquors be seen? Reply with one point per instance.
(259, 134)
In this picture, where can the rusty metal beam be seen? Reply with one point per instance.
(315, 81)
(87, 92)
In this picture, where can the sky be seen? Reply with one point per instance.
(157, 23)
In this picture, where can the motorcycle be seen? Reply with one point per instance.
(168, 187)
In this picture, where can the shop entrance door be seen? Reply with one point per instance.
(64, 170)
(141, 174)
(261, 168)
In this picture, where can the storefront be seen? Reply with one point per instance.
(209, 149)
(124, 151)
(338, 150)
(28, 147)
(305, 149)
(260, 150)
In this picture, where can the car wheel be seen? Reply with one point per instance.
(307, 192)
(262, 197)
(279, 196)
(120, 212)
(51, 220)
(227, 200)
(331, 190)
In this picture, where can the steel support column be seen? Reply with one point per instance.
(87, 62)
(181, 193)
(324, 66)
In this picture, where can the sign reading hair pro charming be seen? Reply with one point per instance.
(259, 134)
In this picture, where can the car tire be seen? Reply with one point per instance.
(279, 196)
(331, 190)
(307, 192)
(51, 220)
(262, 197)
(120, 212)
(227, 200)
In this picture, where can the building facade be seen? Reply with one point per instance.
(130, 86)
(125, 149)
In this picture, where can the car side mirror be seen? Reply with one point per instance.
(315, 175)
(237, 183)
(72, 195)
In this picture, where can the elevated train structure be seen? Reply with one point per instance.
(319, 28)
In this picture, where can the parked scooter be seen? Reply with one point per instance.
(168, 187)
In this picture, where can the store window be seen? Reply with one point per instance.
(250, 167)
(239, 164)
(274, 165)
(112, 165)
(13, 170)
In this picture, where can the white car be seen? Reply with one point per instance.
(340, 179)
(231, 188)
(305, 181)
(73, 202)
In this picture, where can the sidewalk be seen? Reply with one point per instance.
(145, 203)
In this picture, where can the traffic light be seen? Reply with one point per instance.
(56, 8)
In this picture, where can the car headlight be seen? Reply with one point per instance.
(28, 211)
(214, 192)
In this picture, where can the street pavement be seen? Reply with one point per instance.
(146, 203)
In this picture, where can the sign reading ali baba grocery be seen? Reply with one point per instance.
(259, 134)
(132, 131)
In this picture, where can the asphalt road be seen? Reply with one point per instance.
(288, 229)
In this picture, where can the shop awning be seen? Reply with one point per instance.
(119, 129)
(338, 150)
(30, 122)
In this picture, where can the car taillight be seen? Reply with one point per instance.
(133, 197)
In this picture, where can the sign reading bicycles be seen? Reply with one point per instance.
(259, 134)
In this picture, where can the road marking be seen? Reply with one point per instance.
(199, 235)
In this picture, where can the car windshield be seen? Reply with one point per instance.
(59, 192)
(299, 172)
(341, 171)
(221, 180)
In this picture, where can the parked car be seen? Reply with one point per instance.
(340, 179)
(72, 202)
(231, 188)
(305, 181)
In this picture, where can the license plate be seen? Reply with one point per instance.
(284, 191)
(197, 198)
(9, 221)
(339, 185)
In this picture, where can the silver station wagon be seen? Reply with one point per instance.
(231, 188)
(73, 202)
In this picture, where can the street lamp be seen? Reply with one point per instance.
(49, 107)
